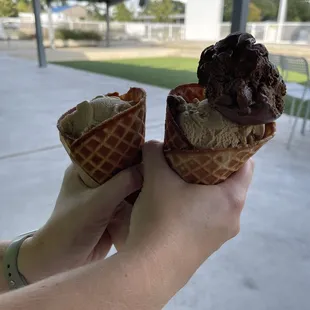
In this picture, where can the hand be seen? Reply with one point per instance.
(181, 224)
(76, 232)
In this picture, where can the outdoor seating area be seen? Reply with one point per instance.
(295, 72)
(171, 244)
(268, 260)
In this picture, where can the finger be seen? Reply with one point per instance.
(119, 187)
(72, 180)
(154, 163)
(103, 247)
(118, 227)
(237, 185)
(241, 180)
(244, 176)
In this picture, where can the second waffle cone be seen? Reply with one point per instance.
(203, 166)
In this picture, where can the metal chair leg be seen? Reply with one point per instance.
(294, 125)
(292, 109)
(305, 118)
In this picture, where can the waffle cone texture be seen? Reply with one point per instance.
(202, 166)
(113, 145)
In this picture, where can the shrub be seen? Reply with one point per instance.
(67, 34)
(26, 36)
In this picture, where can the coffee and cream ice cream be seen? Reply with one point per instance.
(89, 114)
(205, 127)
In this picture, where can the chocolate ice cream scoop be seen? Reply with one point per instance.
(240, 81)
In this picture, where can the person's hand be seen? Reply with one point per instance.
(179, 225)
(76, 232)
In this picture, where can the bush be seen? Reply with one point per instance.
(67, 34)
(26, 36)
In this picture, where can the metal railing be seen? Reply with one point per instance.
(290, 32)
(266, 32)
(119, 31)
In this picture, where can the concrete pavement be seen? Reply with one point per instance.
(267, 267)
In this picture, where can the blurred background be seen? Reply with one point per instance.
(55, 54)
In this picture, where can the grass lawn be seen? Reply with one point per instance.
(167, 72)
(163, 72)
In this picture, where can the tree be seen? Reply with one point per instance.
(227, 12)
(122, 13)
(24, 6)
(255, 14)
(178, 7)
(8, 8)
(95, 13)
(298, 11)
(269, 9)
(160, 9)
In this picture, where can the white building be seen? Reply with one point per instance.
(203, 19)
(59, 14)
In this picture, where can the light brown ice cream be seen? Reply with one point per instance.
(90, 114)
(205, 127)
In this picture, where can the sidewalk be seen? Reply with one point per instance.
(267, 267)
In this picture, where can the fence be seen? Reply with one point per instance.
(290, 32)
(297, 33)
(19, 29)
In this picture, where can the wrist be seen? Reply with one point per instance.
(167, 259)
(28, 261)
(4, 285)
(156, 281)
(178, 245)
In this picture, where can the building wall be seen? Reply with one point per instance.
(76, 12)
(203, 18)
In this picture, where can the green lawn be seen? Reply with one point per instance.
(167, 72)
(163, 72)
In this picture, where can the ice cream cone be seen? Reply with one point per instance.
(113, 145)
(203, 166)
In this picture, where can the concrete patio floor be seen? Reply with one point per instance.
(266, 267)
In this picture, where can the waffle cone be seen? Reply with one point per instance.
(112, 146)
(202, 166)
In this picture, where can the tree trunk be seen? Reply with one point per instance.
(108, 25)
(50, 26)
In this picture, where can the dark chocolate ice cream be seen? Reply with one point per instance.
(240, 81)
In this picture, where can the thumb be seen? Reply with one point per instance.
(114, 191)
(240, 181)
(72, 183)
(154, 163)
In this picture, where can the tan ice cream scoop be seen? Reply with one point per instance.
(89, 114)
(205, 127)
